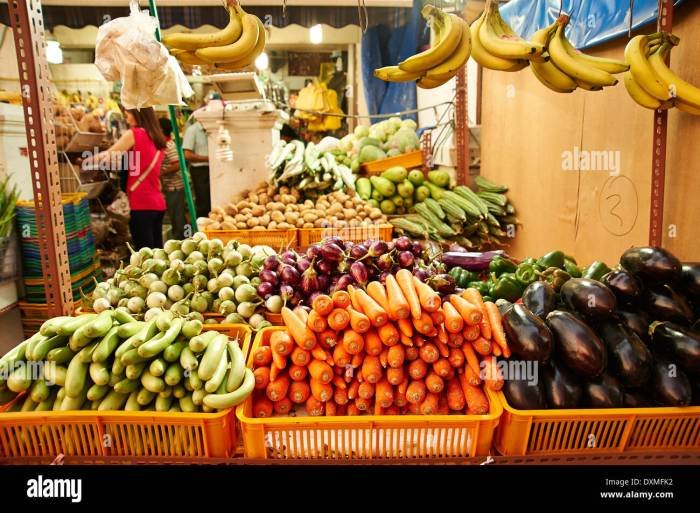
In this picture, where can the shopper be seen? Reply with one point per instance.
(196, 148)
(173, 186)
(145, 144)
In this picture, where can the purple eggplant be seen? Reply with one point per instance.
(331, 252)
(385, 262)
(348, 245)
(382, 277)
(417, 248)
(309, 281)
(443, 283)
(358, 251)
(313, 296)
(335, 240)
(325, 267)
(378, 248)
(406, 259)
(403, 244)
(269, 276)
(421, 274)
(286, 292)
(358, 270)
(313, 251)
(290, 275)
(265, 289)
(303, 264)
(323, 282)
(343, 282)
(271, 263)
(469, 261)
(289, 257)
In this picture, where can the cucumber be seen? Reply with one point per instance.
(39, 391)
(95, 405)
(213, 383)
(132, 403)
(123, 348)
(195, 381)
(237, 373)
(187, 385)
(129, 330)
(50, 327)
(212, 357)
(187, 405)
(156, 345)
(173, 374)
(163, 403)
(135, 371)
(145, 397)
(106, 346)
(179, 391)
(60, 395)
(47, 403)
(122, 316)
(97, 392)
(158, 366)
(115, 378)
(152, 383)
(69, 327)
(113, 401)
(164, 320)
(73, 403)
(55, 375)
(78, 340)
(231, 399)
(172, 352)
(148, 331)
(167, 392)
(132, 357)
(20, 379)
(99, 373)
(207, 409)
(15, 354)
(192, 328)
(126, 386)
(99, 326)
(198, 396)
(60, 355)
(199, 343)
(118, 367)
(85, 354)
(76, 377)
(188, 360)
(29, 405)
(175, 408)
(42, 347)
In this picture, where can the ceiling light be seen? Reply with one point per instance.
(316, 34)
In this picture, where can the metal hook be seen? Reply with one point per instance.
(629, 32)
(561, 7)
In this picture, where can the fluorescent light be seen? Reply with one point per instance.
(54, 54)
(316, 34)
(262, 61)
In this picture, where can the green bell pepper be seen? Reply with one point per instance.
(571, 268)
(553, 259)
(481, 286)
(526, 273)
(500, 265)
(507, 287)
(596, 270)
(556, 277)
(463, 276)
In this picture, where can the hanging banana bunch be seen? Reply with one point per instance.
(233, 48)
(650, 82)
(438, 64)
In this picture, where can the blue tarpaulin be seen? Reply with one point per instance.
(592, 21)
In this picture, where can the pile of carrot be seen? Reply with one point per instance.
(390, 349)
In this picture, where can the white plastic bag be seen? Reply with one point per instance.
(126, 49)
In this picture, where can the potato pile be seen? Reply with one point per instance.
(276, 209)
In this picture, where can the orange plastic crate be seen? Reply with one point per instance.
(309, 236)
(409, 160)
(154, 436)
(274, 318)
(366, 436)
(274, 238)
(597, 431)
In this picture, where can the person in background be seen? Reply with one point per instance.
(171, 180)
(196, 148)
(145, 144)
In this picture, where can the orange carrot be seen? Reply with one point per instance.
(340, 356)
(471, 333)
(453, 320)
(384, 357)
(493, 377)
(477, 403)
(442, 348)
(320, 371)
(262, 377)
(339, 371)
(277, 389)
(474, 297)
(443, 407)
(405, 280)
(327, 339)
(434, 383)
(406, 327)
(357, 359)
(338, 319)
(429, 299)
(395, 375)
(377, 315)
(340, 396)
(438, 317)
(470, 313)
(341, 299)
(275, 370)
(371, 369)
(298, 329)
(403, 386)
(321, 391)
(415, 393)
(322, 304)
(455, 395)
(362, 404)
(353, 389)
(417, 369)
(299, 392)
(278, 360)
(497, 332)
(353, 298)
(281, 343)
(353, 342)
(400, 309)
(412, 353)
(472, 360)
(316, 322)
(442, 334)
(353, 410)
(388, 334)
(482, 346)
(413, 409)
(400, 399)
(283, 406)
(396, 356)
(496, 350)
(392, 410)
(262, 357)
(331, 409)
(423, 323)
(455, 339)
(442, 368)
(359, 321)
(429, 353)
(262, 407)
(472, 377)
(433, 333)
(384, 394)
(314, 407)
(320, 354)
(300, 356)
(485, 328)
(429, 406)
(376, 291)
(456, 357)
(373, 344)
(339, 383)
(407, 341)
(366, 390)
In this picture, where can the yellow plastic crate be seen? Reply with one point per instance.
(309, 236)
(597, 431)
(366, 436)
(163, 437)
(276, 239)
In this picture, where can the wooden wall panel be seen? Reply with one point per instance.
(526, 128)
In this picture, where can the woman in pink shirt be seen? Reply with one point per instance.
(145, 143)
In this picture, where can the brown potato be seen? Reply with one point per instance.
(259, 228)
(300, 223)
(257, 210)
(231, 209)
(375, 214)
(309, 217)
(228, 225)
(265, 219)
(241, 225)
(253, 221)
(308, 225)
(272, 225)
(283, 226)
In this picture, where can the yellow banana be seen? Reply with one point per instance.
(249, 59)
(573, 67)
(553, 77)
(447, 41)
(638, 94)
(505, 32)
(587, 86)
(637, 57)
(504, 45)
(186, 57)
(225, 36)
(396, 74)
(677, 87)
(487, 60)
(454, 63)
(690, 109)
(427, 83)
(234, 51)
(612, 66)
